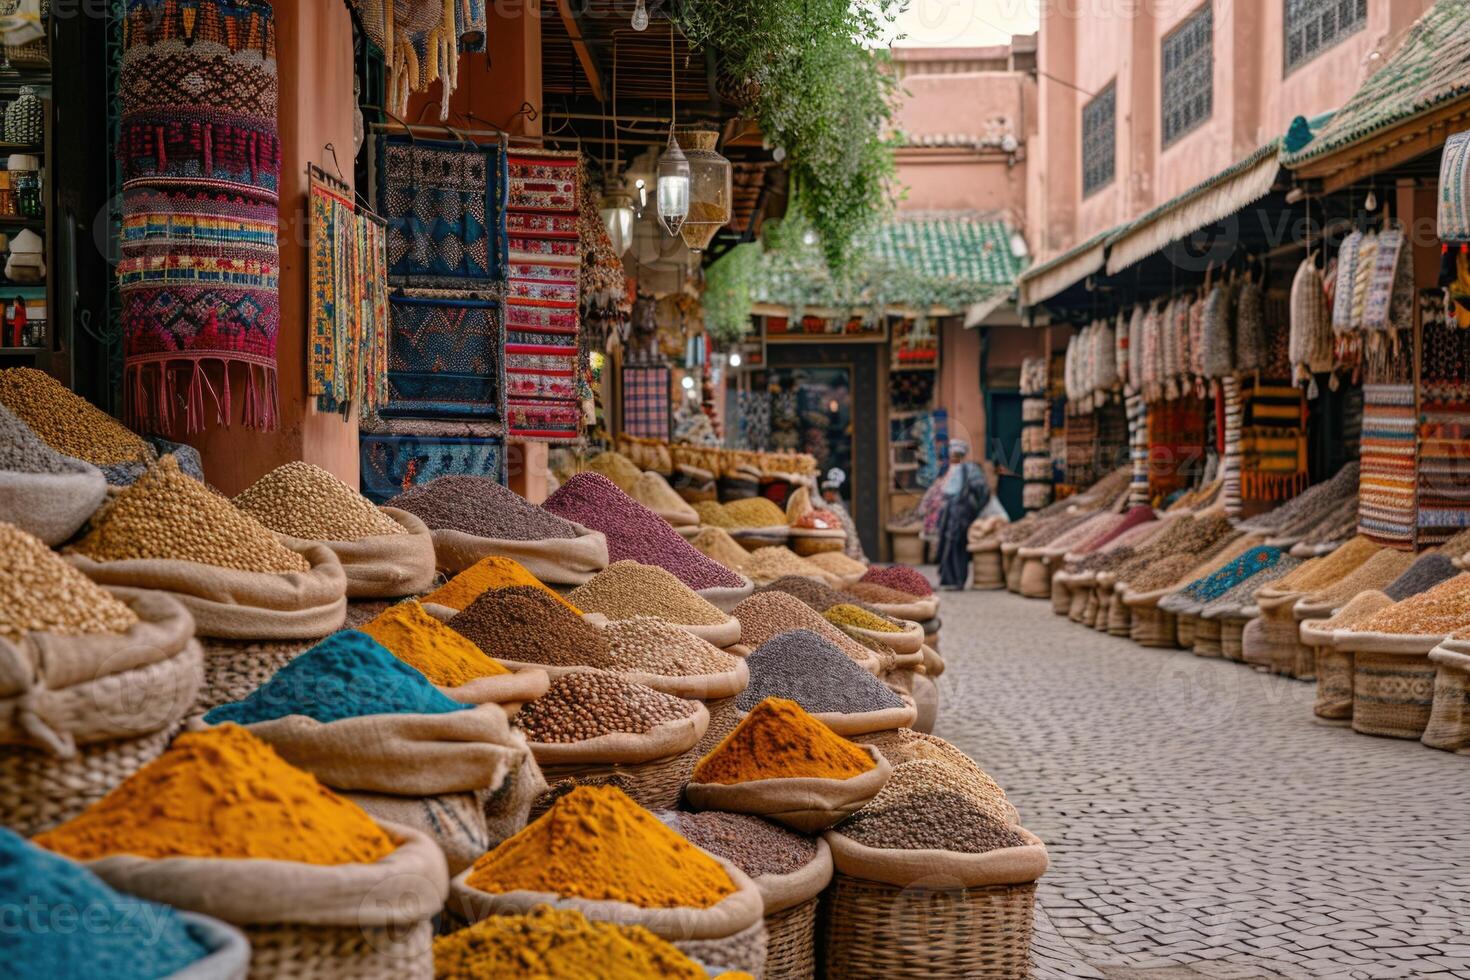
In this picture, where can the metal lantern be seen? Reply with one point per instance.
(616, 209)
(673, 187)
(709, 189)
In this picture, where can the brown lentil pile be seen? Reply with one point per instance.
(877, 595)
(768, 614)
(755, 512)
(920, 775)
(713, 514)
(846, 614)
(526, 624)
(41, 593)
(172, 516)
(715, 543)
(755, 846)
(480, 506)
(67, 422)
(837, 563)
(305, 501)
(769, 564)
(1375, 573)
(626, 589)
(1198, 536)
(1362, 607)
(22, 451)
(1322, 572)
(650, 645)
(819, 596)
(1442, 610)
(584, 705)
(931, 819)
(906, 745)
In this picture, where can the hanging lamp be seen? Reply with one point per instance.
(615, 207)
(673, 167)
(709, 189)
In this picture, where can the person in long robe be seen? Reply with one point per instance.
(966, 492)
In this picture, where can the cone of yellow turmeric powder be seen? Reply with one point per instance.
(783, 764)
(221, 825)
(483, 576)
(451, 662)
(597, 852)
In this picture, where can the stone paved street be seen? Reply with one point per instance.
(1200, 823)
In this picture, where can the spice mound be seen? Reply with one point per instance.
(778, 740)
(878, 595)
(67, 422)
(478, 505)
(713, 514)
(803, 667)
(485, 575)
(347, 675)
(716, 543)
(930, 819)
(901, 578)
(626, 589)
(596, 843)
(838, 564)
(528, 625)
(636, 533)
(768, 614)
(754, 512)
(305, 501)
(22, 451)
(168, 515)
(558, 944)
(847, 614)
(616, 467)
(222, 793)
(768, 564)
(653, 491)
(1440, 611)
(583, 705)
(1430, 570)
(754, 845)
(649, 645)
(442, 655)
(112, 944)
(41, 593)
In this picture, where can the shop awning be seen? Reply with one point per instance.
(1404, 110)
(1215, 199)
(1042, 282)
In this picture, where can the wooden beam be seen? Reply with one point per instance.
(1408, 141)
(573, 25)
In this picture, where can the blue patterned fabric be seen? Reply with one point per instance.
(393, 463)
(444, 358)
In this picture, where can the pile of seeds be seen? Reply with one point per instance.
(67, 422)
(901, 578)
(1093, 528)
(1457, 546)
(1338, 526)
(478, 505)
(1119, 551)
(716, 543)
(1244, 592)
(931, 819)
(626, 589)
(526, 624)
(305, 501)
(846, 614)
(712, 513)
(616, 467)
(636, 533)
(653, 491)
(817, 595)
(652, 646)
(803, 667)
(1441, 610)
(877, 595)
(906, 745)
(1426, 573)
(769, 564)
(768, 614)
(169, 515)
(838, 564)
(1322, 572)
(1317, 500)
(584, 705)
(1375, 573)
(755, 512)
(1361, 608)
(485, 575)
(41, 593)
(755, 846)
(1188, 535)
(22, 451)
(1163, 573)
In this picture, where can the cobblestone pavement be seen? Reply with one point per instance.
(1200, 823)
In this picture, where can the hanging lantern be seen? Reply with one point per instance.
(709, 189)
(673, 187)
(616, 208)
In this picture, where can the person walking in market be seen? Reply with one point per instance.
(966, 492)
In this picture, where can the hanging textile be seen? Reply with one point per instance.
(1250, 328)
(1386, 511)
(1273, 441)
(1347, 271)
(1216, 332)
(201, 161)
(543, 356)
(647, 404)
(421, 41)
(1444, 424)
(1231, 455)
(1081, 441)
(1137, 410)
(444, 358)
(1312, 325)
(1176, 445)
(1454, 189)
(347, 307)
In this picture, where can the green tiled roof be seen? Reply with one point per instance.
(951, 248)
(1430, 68)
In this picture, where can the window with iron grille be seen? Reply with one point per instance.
(1189, 74)
(1099, 140)
(1313, 26)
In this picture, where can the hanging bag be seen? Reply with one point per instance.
(1454, 190)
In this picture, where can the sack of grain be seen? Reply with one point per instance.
(807, 804)
(627, 748)
(556, 561)
(383, 566)
(52, 506)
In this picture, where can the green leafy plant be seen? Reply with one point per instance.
(728, 284)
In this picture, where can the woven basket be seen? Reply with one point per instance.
(1153, 627)
(1035, 578)
(1206, 636)
(1393, 694)
(1334, 685)
(1120, 615)
(1013, 565)
(1061, 597)
(1449, 719)
(875, 931)
(296, 952)
(234, 669)
(1185, 631)
(1231, 631)
(744, 951)
(791, 942)
(39, 791)
(990, 573)
(1088, 614)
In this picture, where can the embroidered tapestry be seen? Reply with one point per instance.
(444, 356)
(1386, 511)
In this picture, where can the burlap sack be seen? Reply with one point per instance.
(556, 561)
(58, 692)
(735, 913)
(664, 741)
(867, 722)
(782, 892)
(1401, 643)
(229, 950)
(722, 635)
(926, 703)
(695, 687)
(916, 610)
(508, 808)
(52, 506)
(384, 566)
(510, 691)
(405, 888)
(805, 804)
(933, 662)
(726, 599)
(939, 869)
(910, 640)
(453, 821)
(236, 605)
